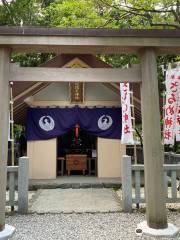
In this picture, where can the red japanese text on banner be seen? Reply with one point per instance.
(127, 131)
(171, 106)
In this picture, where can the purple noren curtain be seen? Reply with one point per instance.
(47, 123)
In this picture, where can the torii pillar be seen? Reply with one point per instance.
(153, 150)
(6, 231)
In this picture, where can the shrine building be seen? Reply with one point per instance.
(83, 137)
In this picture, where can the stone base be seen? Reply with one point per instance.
(7, 232)
(170, 231)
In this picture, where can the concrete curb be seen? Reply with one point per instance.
(170, 231)
(7, 232)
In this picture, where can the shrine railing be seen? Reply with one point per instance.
(17, 186)
(133, 191)
(169, 157)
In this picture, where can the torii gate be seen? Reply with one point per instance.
(146, 43)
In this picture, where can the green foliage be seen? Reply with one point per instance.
(92, 13)
(18, 12)
(119, 60)
(143, 14)
(72, 13)
(17, 131)
(31, 59)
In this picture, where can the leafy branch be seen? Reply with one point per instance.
(9, 11)
(150, 14)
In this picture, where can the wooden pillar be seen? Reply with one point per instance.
(153, 150)
(4, 122)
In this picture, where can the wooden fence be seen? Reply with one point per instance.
(17, 181)
(133, 183)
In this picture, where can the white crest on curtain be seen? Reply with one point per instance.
(127, 131)
(105, 122)
(47, 123)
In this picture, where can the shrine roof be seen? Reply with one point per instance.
(23, 90)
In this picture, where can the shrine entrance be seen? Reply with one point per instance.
(77, 153)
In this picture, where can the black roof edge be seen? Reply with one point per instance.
(88, 32)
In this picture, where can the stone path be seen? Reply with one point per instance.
(89, 200)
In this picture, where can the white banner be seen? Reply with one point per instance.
(177, 121)
(127, 131)
(172, 92)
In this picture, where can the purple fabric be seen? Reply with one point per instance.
(47, 123)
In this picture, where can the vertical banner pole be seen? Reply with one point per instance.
(12, 123)
(164, 102)
(134, 126)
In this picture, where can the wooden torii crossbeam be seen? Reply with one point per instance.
(146, 43)
(39, 74)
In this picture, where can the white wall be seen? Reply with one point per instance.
(55, 91)
(60, 92)
(99, 92)
(110, 152)
(42, 155)
(42, 159)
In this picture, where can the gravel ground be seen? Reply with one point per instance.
(98, 226)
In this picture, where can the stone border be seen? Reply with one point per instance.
(144, 229)
(7, 232)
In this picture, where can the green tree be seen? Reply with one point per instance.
(20, 12)
(72, 13)
(143, 14)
